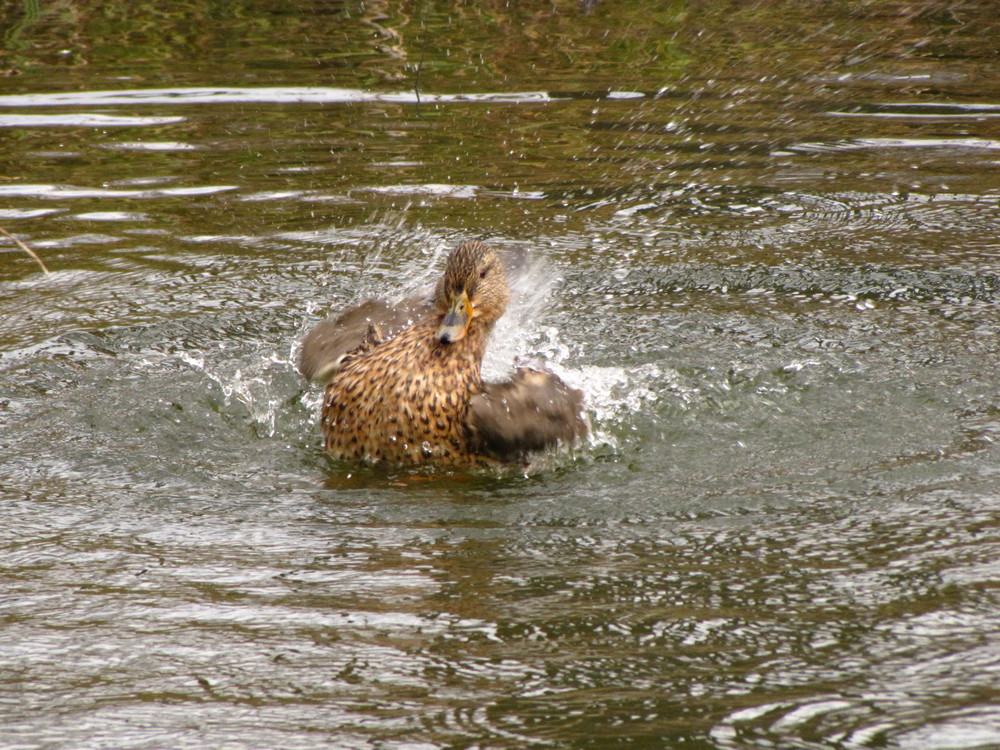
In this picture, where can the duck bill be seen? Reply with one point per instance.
(456, 321)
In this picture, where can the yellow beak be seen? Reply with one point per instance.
(456, 321)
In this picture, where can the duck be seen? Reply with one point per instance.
(404, 384)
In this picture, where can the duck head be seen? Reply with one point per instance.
(472, 292)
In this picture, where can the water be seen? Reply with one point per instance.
(767, 242)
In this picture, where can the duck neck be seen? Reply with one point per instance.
(471, 347)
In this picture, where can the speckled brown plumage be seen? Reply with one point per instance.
(419, 395)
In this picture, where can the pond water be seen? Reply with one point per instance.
(768, 237)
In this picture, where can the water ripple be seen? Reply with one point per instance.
(854, 144)
(82, 119)
(882, 283)
(73, 192)
(264, 94)
(950, 110)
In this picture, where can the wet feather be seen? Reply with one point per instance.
(416, 394)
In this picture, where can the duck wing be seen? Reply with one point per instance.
(355, 329)
(532, 411)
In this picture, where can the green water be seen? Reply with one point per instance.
(768, 237)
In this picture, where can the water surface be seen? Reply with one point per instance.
(768, 241)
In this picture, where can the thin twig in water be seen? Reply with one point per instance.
(420, 67)
(26, 249)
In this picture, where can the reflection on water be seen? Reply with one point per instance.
(82, 120)
(763, 239)
(259, 95)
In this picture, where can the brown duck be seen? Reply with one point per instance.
(409, 392)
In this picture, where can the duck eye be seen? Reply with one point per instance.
(482, 274)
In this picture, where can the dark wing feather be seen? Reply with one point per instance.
(533, 411)
(355, 329)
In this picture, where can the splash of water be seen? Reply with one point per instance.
(521, 338)
(251, 384)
